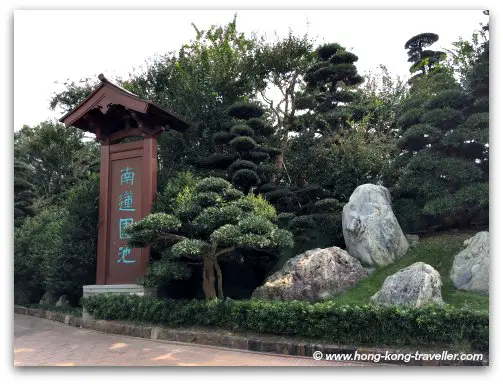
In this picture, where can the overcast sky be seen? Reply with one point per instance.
(53, 46)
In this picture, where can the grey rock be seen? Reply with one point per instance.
(470, 269)
(416, 285)
(413, 240)
(47, 299)
(63, 301)
(313, 275)
(371, 231)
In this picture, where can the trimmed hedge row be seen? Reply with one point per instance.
(328, 321)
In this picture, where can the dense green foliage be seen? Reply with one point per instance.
(58, 158)
(55, 251)
(36, 246)
(200, 82)
(326, 321)
(330, 86)
(443, 159)
(24, 192)
(75, 262)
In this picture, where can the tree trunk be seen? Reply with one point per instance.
(281, 157)
(288, 119)
(219, 279)
(209, 278)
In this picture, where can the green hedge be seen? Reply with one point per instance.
(328, 321)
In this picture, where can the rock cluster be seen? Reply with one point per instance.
(313, 275)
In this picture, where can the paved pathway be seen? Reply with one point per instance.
(44, 342)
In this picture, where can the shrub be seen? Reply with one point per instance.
(75, 263)
(37, 243)
(326, 321)
(55, 251)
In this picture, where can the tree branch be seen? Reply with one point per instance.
(225, 250)
(172, 237)
(271, 106)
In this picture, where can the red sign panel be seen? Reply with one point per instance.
(127, 189)
(124, 263)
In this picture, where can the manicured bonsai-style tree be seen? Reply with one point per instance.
(422, 59)
(330, 88)
(243, 155)
(209, 221)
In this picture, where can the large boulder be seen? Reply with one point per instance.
(470, 269)
(371, 231)
(416, 285)
(312, 275)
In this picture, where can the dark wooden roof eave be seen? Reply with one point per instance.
(176, 122)
(112, 92)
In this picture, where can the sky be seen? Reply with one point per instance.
(52, 46)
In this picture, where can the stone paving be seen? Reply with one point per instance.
(41, 342)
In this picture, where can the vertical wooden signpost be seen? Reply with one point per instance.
(128, 177)
(127, 190)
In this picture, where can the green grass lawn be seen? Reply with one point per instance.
(437, 251)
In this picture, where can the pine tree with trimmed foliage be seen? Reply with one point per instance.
(330, 87)
(443, 162)
(204, 223)
(423, 60)
(243, 156)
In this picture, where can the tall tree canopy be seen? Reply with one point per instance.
(280, 67)
(57, 156)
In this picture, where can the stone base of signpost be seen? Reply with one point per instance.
(117, 289)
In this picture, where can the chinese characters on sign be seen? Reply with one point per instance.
(126, 204)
